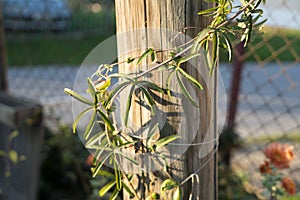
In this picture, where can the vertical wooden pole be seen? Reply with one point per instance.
(3, 58)
(175, 15)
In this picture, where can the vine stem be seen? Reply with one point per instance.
(124, 174)
(163, 63)
(228, 21)
(242, 9)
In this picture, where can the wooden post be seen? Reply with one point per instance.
(175, 15)
(3, 56)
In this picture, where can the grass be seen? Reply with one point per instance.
(51, 50)
(275, 44)
(283, 45)
(263, 139)
(85, 31)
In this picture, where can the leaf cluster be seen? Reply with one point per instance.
(112, 142)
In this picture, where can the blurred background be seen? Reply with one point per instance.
(45, 43)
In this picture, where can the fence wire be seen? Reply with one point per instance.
(269, 97)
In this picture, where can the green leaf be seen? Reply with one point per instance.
(2, 153)
(79, 117)
(144, 55)
(190, 78)
(77, 96)
(260, 23)
(149, 98)
(200, 37)
(90, 126)
(114, 195)
(207, 11)
(168, 184)
(128, 190)
(13, 156)
(229, 46)
(96, 169)
(165, 140)
(115, 92)
(106, 120)
(91, 86)
(184, 90)
(152, 86)
(106, 188)
(94, 139)
(129, 60)
(153, 55)
(13, 135)
(128, 158)
(105, 174)
(128, 105)
(177, 194)
(215, 51)
(187, 58)
(118, 176)
(168, 82)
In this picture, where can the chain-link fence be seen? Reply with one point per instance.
(269, 96)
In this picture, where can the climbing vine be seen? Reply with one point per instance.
(112, 141)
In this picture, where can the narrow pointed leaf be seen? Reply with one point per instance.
(114, 195)
(115, 92)
(166, 140)
(79, 117)
(168, 82)
(128, 105)
(215, 50)
(153, 55)
(228, 45)
(91, 86)
(150, 100)
(128, 190)
(187, 58)
(106, 174)
(96, 138)
(96, 169)
(77, 96)
(144, 55)
(90, 126)
(128, 158)
(106, 188)
(190, 78)
(106, 120)
(118, 176)
(151, 85)
(184, 91)
(198, 40)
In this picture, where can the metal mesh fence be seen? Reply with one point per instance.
(269, 97)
